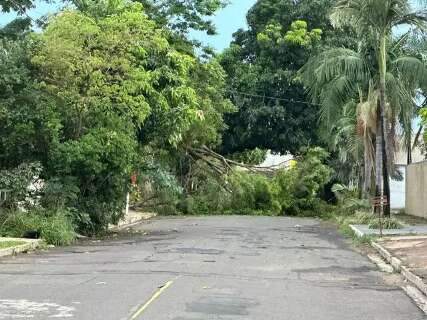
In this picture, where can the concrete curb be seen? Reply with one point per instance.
(415, 280)
(362, 230)
(29, 245)
(409, 276)
(418, 297)
(356, 231)
(134, 220)
(395, 262)
(379, 261)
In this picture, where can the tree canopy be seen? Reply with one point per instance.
(262, 64)
(97, 92)
(113, 97)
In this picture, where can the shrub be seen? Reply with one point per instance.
(348, 200)
(96, 171)
(293, 191)
(253, 193)
(17, 181)
(55, 227)
(254, 157)
(388, 223)
(363, 217)
(210, 198)
(299, 186)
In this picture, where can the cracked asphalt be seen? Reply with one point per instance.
(229, 268)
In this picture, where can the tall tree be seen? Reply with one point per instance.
(262, 64)
(179, 15)
(184, 15)
(346, 82)
(377, 18)
(29, 123)
(111, 74)
(16, 5)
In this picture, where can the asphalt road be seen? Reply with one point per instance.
(229, 268)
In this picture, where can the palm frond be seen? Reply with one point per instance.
(411, 70)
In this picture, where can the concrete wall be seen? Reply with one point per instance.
(398, 190)
(416, 189)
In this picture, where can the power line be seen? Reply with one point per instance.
(272, 98)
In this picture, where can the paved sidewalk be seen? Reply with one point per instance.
(411, 251)
(364, 230)
(408, 255)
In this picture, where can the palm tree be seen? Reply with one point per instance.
(346, 70)
(341, 81)
(416, 45)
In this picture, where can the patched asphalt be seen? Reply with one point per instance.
(228, 268)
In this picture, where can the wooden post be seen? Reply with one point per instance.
(380, 203)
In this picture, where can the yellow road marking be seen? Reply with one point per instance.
(153, 298)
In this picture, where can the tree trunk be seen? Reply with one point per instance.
(360, 183)
(382, 177)
(378, 157)
(417, 136)
(408, 136)
(367, 181)
(386, 177)
(388, 160)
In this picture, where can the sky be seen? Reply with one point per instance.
(227, 21)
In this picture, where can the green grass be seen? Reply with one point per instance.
(54, 227)
(9, 244)
(387, 223)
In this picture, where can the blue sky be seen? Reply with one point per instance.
(228, 21)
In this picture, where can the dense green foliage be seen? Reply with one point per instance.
(112, 97)
(94, 97)
(9, 244)
(16, 5)
(183, 16)
(262, 64)
(55, 228)
(294, 191)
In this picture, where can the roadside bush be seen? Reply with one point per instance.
(299, 186)
(293, 191)
(360, 217)
(55, 227)
(95, 174)
(387, 223)
(210, 198)
(348, 200)
(156, 189)
(253, 194)
(18, 181)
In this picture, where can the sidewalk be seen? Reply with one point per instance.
(407, 255)
(411, 251)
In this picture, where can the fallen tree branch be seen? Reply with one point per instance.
(224, 165)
